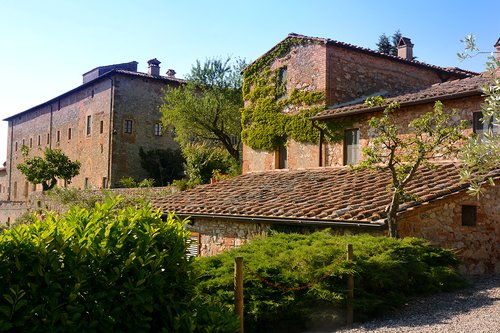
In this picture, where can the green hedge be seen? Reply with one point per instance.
(102, 270)
(387, 271)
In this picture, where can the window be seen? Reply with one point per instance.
(39, 140)
(16, 146)
(158, 129)
(23, 142)
(480, 127)
(58, 137)
(281, 89)
(128, 126)
(104, 182)
(69, 133)
(469, 215)
(101, 127)
(86, 183)
(89, 124)
(31, 142)
(48, 138)
(351, 146)
(281, 157)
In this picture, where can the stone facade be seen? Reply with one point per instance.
(216, 235)
(101, 123)
(344, 73)
(440, 222)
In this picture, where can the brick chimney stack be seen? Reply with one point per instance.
(154, 67)
(405, 48)
(171, 73)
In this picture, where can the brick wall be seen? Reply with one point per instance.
(344, 74)
(137, 99)
(440, 222)
(352, 74)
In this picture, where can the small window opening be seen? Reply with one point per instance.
(469, 215)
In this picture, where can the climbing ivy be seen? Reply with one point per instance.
(271, 116)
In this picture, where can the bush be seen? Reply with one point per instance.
(162, 165)
(202, 160)
(309, 277)
(101, 270)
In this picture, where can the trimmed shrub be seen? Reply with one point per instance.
(297, 282)
(101, 270)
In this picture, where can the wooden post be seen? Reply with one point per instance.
(350, 289)
(238, 289)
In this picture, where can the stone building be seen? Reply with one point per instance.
(295, 178)
(101, 123)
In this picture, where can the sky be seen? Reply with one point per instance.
(45, 46)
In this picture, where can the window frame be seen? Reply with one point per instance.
(128, 126)
(89, 125)
(351, 155)
(469, 215)
(158, 129)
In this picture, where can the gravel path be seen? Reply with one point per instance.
(476, 309)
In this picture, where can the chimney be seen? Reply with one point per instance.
(497, 46)
(154, 67)
(171, 73)
(405, 48)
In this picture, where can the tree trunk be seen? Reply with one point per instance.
(392, 222)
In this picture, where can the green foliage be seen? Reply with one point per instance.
(130, 182)
(206, 108)
(202, 161)
(482, 154)
(162, 165)
(387, 46)
(101, 270)
(429, 136)
(55, 164)
(387, 271)
(266, 126)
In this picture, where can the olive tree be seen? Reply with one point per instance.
(482, 154)
(430, 136)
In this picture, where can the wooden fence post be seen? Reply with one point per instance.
(238, 289)
(350, 289)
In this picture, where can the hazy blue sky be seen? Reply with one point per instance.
(47, 45)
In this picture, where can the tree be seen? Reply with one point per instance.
(430, 136)
(207, 108)
(55, 164)
(162, 165)
(482, 154)
(389, 47)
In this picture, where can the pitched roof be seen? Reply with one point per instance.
(106, 75)
(327, 41)
(439, 91)
(328, 196)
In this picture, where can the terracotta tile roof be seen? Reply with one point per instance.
(320, 195)
(453, 70)
(439, 91)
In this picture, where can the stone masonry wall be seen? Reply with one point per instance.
(352, 74)
(344, 75)
(440, 223)
(62, 124)
(137, 99)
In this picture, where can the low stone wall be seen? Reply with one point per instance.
(10, 211)
(216, 235)
(440, 222)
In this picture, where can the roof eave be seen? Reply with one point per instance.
(402, 104)
(287, 221)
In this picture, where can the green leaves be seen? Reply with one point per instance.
(121, 268)
(433, 135)
(206, 108)
(54, 164)
(386, 272)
